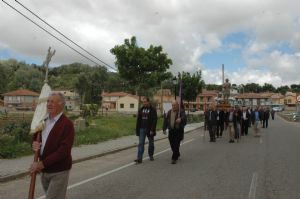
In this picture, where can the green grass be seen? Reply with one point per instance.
(107, 128)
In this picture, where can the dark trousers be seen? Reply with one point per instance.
(245, 124)
(174, 139)
(220, 128)
(265, 123)
(212, 131)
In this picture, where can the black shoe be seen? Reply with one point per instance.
(173, 162)
(138, 161)
(151, 158)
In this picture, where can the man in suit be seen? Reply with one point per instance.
(146, 126)
(55, 149)
(211, 122)
(266, 118)
(220, 122)
(245, 121)
(175, 121)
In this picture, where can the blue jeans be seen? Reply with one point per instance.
(141, 146)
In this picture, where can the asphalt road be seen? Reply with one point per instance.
(266, 167)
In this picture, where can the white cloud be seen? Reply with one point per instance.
(186, 29)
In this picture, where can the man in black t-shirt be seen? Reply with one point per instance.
(146, 126)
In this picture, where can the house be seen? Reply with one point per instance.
(109, 100)
(127, 104)
(289, 99)
(72, 99)
(22, 99)
(258, 99)
(205, 99)
(252, 99)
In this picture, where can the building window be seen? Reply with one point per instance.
(121, 105)
(131, 105)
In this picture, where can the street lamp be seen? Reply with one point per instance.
(174, 83)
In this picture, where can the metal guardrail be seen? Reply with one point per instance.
(293, 117)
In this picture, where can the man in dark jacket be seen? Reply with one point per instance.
(146, 126)
(211, 122)
(220, 122)
(175, 121)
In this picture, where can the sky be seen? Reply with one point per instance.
(257, 41)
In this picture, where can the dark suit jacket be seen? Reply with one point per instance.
(167, 120)
(221, 116)
(56, 156)
(211, 121)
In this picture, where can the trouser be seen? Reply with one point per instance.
(174, 139)
(141, 145)
(55, 184)
(230, 131)
(220, 129)
(237, 131)
(245, 124)
(265, 123)
(212, 131)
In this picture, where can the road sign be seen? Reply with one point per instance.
(298, 97)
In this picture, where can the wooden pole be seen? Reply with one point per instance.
(33, 175)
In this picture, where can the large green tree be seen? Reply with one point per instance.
(192, 85)
(140, 67)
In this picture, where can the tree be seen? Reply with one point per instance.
(5, 76)
(295, 88)
(252, 88)
(268, 88)
(191, 85)
(213, 87)
(283, 89)
(89, 85)
(139, 67)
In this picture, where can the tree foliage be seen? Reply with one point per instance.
(140, 67)
(191, 85)
(213, 87)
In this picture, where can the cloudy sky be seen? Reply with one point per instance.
(256, 40)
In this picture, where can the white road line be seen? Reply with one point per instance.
(114, 170)
(261, 140)
(253, 186)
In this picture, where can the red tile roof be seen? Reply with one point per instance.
(21, 92)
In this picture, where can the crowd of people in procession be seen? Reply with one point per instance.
(236, 121)
(57, 137)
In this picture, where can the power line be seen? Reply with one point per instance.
(64, 35)
(52, 34)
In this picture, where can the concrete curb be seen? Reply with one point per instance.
(101, 154)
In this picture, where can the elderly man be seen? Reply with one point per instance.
(175, 121)
(55, 149)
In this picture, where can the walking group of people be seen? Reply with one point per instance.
(57, 137)
(236, 121)
(174, 122)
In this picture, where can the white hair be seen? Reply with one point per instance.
(61, 97)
